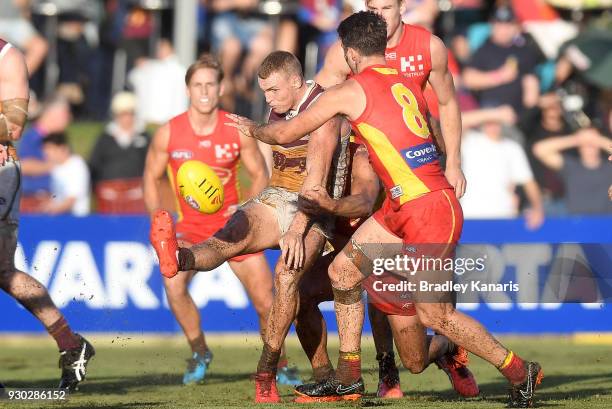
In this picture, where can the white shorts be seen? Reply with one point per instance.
(10, 186)
(284, 204)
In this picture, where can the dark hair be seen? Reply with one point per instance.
(205, 61)
(57, 139)
(365, 32)
(282, 61)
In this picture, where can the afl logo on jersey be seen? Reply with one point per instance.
(181, 154)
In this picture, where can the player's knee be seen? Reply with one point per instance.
(342, 275)
(415, 366)
(285, 280)
(262, 305)
(434, 316)
(334, 273)
(175, 287)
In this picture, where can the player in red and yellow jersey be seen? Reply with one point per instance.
(199, 134)
(422, 57)
(417, 349)
(417, 54)
(388, 112)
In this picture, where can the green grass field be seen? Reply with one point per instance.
(145, 372)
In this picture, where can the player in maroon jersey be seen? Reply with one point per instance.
(75, 351)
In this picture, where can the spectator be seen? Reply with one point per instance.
(55, 117)
(69, 178)
(157, 104)
(538, 124)
(120, 151)
(16, 28)
(586, 177)
(118, 158)
(494, 165)
(238, 26)
(502, 70)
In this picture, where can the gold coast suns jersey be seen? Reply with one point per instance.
(394, 129)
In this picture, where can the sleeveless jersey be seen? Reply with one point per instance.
(411, 56)
(289, 160)
(221, 151)
(394, 128)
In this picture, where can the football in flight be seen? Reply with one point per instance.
(200, 186)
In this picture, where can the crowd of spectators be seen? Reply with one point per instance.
(532, 81)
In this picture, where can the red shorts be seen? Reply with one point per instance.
(193, 237)
(430, 224)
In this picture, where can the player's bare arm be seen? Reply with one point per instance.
(344, 99)
(335, 69)
(321, 147)
(255, 165)
(360, 203)
(441, 81)
(14, 95)
(155, 168)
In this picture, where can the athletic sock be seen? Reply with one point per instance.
(198, 344)
(349, 367)
(322, 373)
(268, 361)
(514, 368)
(63, 335)
(186, 259)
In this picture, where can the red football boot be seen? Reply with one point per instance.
(265, 388)
(455, 366)
(163, 239)
(388, 377)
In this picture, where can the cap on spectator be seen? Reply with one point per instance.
(504, 14)
(123, 102)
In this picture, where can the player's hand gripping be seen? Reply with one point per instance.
(244, 125)
(316, 201)
(292, 247)
(455, 177)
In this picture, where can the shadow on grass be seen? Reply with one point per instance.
(553, 388)
(126, 384)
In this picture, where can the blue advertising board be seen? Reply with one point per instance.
(102, 273)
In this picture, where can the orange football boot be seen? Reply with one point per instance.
(163, 239)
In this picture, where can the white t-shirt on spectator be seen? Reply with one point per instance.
(492, 169)
(71, 179)
(159, 86)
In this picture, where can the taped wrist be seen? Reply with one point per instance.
(347, 297)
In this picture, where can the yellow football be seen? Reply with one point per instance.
(200, 186)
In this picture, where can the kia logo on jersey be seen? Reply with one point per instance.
(205, 143)
(181, 154)
(391, 56)
(413, 64)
